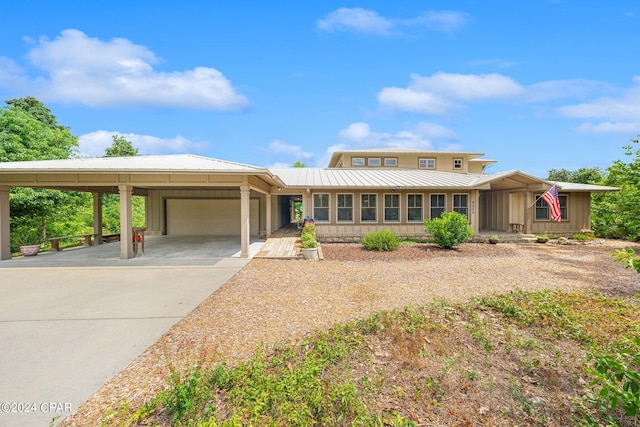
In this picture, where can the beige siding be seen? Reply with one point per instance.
(352, 229)
(444, 162)
(494, 210)
(578, 212)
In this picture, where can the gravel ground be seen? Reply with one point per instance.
(273, 301)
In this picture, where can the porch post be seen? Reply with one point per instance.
(244, 221)
(126, 233)
(528, 224)
(5, 245)
(268, 216)
(97, 217)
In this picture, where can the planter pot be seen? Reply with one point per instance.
(493, 241)
(309, 253)
(542, 240)
(31, 250)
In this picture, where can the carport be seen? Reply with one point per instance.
(184, 194)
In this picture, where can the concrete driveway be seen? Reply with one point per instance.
(71, 321)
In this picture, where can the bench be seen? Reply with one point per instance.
(516, 227)
(55, 241)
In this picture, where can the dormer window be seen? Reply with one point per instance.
(391, 161)
(357, 161)
(427, 163)
(457, 164)
(374, 161)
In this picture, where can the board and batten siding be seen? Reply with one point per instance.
(578, 216)
(334, 230)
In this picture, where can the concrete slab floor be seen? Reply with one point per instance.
(66, 328)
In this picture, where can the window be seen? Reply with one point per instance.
(374, 161)
(321, 207)
(437, 205)
(414, 207)
(427, 163)
(345, 207)
(392, 208)
(357, 161)
(457, 164)
(461, 204)
(391, 161)
(543, 212)
(368, 207)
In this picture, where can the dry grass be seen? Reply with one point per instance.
(282, 301)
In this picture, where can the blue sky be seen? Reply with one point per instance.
(534, 84)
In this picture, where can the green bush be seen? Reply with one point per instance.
(583, 237)
(383, 240)
(451, 229)
(308, 240)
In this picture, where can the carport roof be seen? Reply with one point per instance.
(162, 163)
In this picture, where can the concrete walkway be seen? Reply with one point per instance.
(72, 320)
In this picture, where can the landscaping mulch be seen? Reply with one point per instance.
(280, 301)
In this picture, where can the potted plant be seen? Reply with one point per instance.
(309, 245)
(493, 239)
(27, 240)
(542, 238)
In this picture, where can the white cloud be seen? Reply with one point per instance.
(441, 92)
(619, 114)
(444, 21)
(360, 135)
(355, 19)
(624, 128)
(294, 151)
(370, 22)
(116, 73)
(94, 144)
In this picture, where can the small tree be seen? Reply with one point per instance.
(451, 229)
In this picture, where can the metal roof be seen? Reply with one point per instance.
(387, 178)
(575, 187)
(163, 163)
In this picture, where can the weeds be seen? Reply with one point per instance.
(449, 364)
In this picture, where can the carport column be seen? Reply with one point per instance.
(268, 216)
(126, 233)
(244, 218)
(97, 217)
(5, 246)
(528, 224)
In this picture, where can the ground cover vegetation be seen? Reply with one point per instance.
(29, 131)
(522, 358)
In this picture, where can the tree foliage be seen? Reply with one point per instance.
(299, 164)
(120, 148)
(617, 214)
(581, 176)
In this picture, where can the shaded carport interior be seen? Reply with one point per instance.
(157, 178)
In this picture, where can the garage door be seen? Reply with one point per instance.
(203, 216)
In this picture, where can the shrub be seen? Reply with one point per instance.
(450, 230)
(383, 240)
(308, 240)
(583, 236)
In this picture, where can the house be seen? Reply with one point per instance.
(360, 191)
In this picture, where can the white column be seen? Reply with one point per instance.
(244, 218)
(97, 217)
(126, 233)
(5, 245)
(268, 208)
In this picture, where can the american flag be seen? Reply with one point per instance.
(551, 197)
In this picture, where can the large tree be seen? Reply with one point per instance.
(28, 131)
(617, 214)
(581, 176)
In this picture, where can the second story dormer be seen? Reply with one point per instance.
(443, 161)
